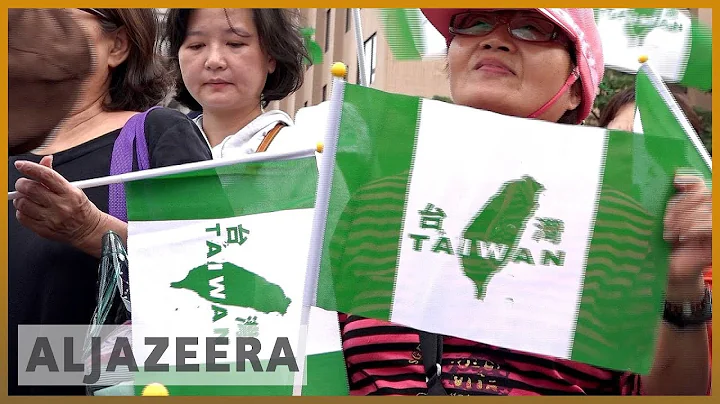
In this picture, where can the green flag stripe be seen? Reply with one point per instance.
(231, 191)
(658, 120)
(367, 202)
(698, 72)
(614, 323)
(325, 375)
(351, 255)
(403, 31)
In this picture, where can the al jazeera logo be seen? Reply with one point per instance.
(66, 355)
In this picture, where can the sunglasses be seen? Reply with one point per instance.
(522, 26)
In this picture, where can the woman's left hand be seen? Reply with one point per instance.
(688, 227)
(51, 207)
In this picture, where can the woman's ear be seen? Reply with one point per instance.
(120, 49)
(575, 96)
(272, 65)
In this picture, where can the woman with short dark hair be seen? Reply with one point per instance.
(229, 64)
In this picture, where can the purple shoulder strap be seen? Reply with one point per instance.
(130, 143)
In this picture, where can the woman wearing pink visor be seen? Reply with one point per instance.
(544, 64)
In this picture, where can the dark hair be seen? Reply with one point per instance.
(613, 107)
(141, 81)
(627, 96)
(279, 36)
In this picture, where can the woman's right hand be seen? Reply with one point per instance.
(54, 209)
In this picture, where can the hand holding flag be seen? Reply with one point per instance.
(688, 228)
(51, 207)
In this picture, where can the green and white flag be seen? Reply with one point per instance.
(409, 35)
(512, 232)
(222, 252)
(404, 32)
(679, 46)
(658, 113)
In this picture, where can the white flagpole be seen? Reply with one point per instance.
(322, 202)
(664, 92)
(185, 168)
(360, 45)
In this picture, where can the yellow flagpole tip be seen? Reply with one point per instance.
(155, 389)
(643, 58)
(338, 69)
(320, 147)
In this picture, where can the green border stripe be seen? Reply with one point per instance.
(230, 191)
(627, 263)
(403, 32)
(659, 123)
(698, 72)
(375, 150)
